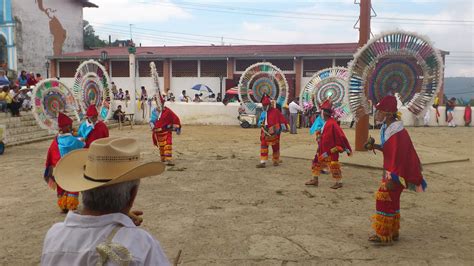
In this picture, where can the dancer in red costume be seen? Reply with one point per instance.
(332, 141)
(92, 128)
(163, 122)
(64, 143)
(402, 169)
(272, 123)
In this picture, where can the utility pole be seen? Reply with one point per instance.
(131, 36)
(362, 126)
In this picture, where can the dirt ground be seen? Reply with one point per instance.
(217, 208)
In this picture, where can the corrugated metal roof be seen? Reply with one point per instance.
(289, 50)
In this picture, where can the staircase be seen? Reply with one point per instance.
(24, 129)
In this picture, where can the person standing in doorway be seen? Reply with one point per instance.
(294, 108)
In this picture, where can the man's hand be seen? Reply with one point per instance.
(135, 216)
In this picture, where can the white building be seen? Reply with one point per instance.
(31, 30)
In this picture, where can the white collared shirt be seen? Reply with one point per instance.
(294, 108)
(74, 241)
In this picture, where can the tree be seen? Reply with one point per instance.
(90, 39)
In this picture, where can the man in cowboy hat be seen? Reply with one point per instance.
(92, 128)
(332, 142)
(105, 230)
(163, 122)
(272, 123)
(402, 169)
(61, 145)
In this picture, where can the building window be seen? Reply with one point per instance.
(342, 62)
(67, 69)
(120, 69)
(283, 64)
(213, 68)
(185, 68)
(243, 64)
(311, 66)
(144, 68)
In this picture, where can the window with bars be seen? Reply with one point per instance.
(213, 68)
(144, 68)
(120, 69)
(311, 66)
(184, 68)
(67, 69)
(283, 64)
(243, 64)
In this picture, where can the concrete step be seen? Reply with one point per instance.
(10, 144)
(23, 129)
(27, 135)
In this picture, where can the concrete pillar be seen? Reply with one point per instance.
(298, 75)
(133, 77)
(230, 68)
(53, 68)
(167, 74)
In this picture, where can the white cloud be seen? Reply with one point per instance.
(452, 38)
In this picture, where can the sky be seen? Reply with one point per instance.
(449, 24)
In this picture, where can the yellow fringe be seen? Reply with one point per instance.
(386, 227)
(68, 203)
(382, 196)
(72, 203)
(335, 168)
(62, 202)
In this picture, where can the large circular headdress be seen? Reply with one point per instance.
(156, 83)
(329, 83)
(91, 86)
(259, 79)
(50, 97)
(400, 63)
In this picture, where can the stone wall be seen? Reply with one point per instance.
(45, 28)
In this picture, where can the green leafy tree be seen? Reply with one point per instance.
(91, 40)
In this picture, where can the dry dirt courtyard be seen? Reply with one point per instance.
(217, 208)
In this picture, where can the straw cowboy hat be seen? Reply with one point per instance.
(108, 161)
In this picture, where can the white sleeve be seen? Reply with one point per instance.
(156, 256)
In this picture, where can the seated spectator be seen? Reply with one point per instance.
(119, 115)
(3, 99)
(4, 79)
(171, 97)
(197, 98)
(15, 101)
(31, 82)
(183, 97)
(120, 95)
(22, 79)
(25, 96)
(127, 95)
(38, 77)
(105, 231)
(219, 97)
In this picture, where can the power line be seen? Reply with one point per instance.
(298, 15)
(190, 34)
(148, 36)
